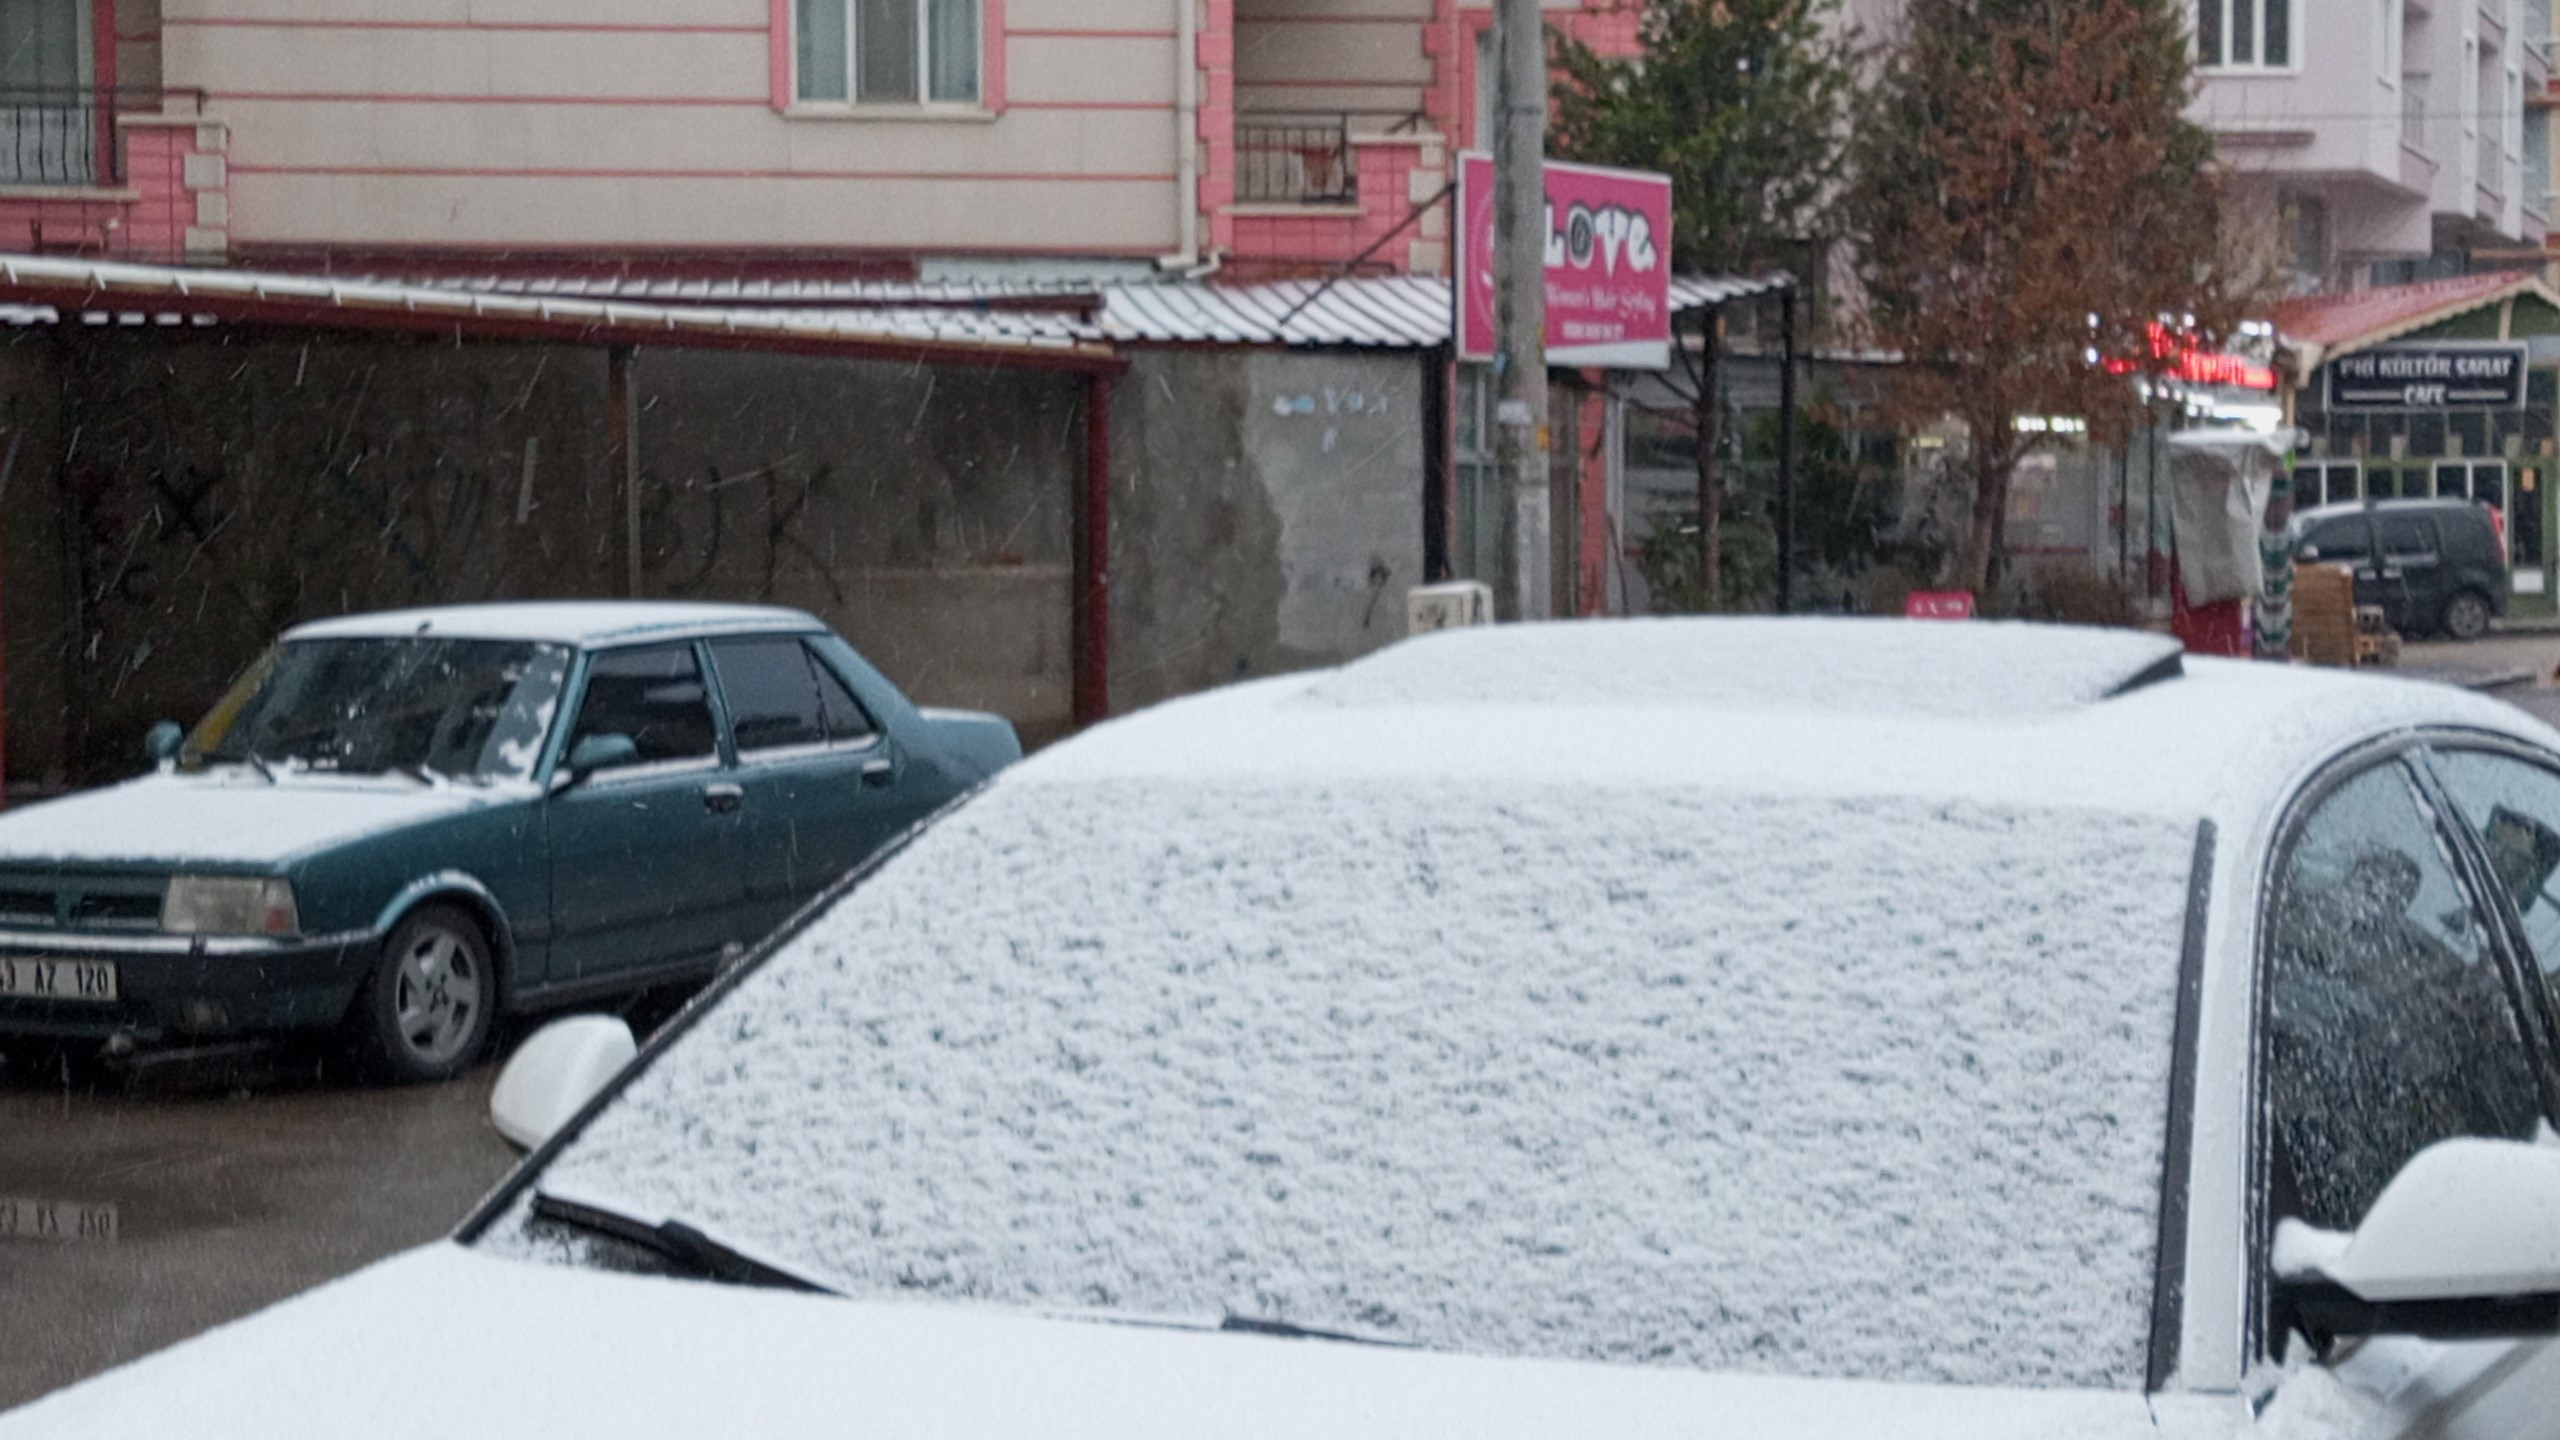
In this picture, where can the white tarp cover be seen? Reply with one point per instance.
(2219, 484)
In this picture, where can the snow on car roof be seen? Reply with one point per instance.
(1794, 706)
(567, 622)
(1986, 669)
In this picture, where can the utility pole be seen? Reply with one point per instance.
(1524, 570)
(1787, 452)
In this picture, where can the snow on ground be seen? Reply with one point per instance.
(1821, 1086)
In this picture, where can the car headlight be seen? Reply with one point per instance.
(228, 905)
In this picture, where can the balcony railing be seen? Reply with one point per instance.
(1295, 160)
(2413, 109)
(57, 136)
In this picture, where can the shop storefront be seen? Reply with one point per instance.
(2446, 389)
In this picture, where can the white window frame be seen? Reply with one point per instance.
(2331, 468)
(2216, 65)
(922, 103)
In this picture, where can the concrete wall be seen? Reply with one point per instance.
(177, 498)
(1267, 513)
(927, 514)
(670, 124)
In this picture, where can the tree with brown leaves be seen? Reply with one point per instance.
(2028, 199)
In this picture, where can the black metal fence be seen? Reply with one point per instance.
(57, 136)
(1295, 160)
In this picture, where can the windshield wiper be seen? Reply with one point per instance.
(689, 1249)
(259, 765)
(1256, 1325)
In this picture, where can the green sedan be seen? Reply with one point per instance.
(403, 825)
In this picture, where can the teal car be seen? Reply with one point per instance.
(404, 825)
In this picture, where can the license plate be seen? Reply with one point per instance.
(61, 1221)
(30, 978)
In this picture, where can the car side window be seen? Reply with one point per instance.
(2340, 540)
(2388, 1025)
(847, 722)
(2406, 537)
(2514, 807)
(653, 694)
(781, 696)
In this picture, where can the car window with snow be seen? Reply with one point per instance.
(1849, 1087)
(2388, 1025)
(463, 709)
(2514, 807)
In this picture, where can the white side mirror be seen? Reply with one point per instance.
(559, 1069)
(2465, 1239)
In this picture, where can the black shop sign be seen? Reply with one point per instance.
(2485, 376)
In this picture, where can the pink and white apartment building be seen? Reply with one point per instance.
(2390, 139)
(888, 138)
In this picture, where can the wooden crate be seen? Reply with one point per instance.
(2324, 614)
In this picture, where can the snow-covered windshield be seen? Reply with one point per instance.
(463, 709)
(1815, 1086)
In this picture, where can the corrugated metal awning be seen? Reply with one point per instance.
(1000, 322)
(94, 289)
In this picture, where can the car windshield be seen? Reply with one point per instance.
(461, 709)
(1814, 1086)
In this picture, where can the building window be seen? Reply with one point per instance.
(2244, 34)
(2326, 483)
(887, 52)
(50, 116)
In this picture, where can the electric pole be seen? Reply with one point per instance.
(1524, 569)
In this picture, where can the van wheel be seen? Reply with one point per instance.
(425, 1012)
(2466, 616)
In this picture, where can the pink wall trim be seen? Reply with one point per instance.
(1217, 61)
(778, 28)
(102, 49)
(572, 27)
(964, 177)
(993, 35)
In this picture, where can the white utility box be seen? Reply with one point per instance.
(1447, 606)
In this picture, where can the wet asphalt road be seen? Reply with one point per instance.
(207, 1195)
(210, 1193)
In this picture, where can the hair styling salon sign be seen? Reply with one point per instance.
(1608, 239)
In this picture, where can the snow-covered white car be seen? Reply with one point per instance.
(1753, 1029)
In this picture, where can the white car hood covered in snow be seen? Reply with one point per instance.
(441, 1342)
(231, 817)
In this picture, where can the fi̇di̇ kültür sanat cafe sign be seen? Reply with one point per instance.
(2430, 376)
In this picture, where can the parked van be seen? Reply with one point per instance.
(2434, 566)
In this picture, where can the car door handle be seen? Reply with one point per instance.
(879, 771)
(721, 799)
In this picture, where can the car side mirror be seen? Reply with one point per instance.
(600, 752)
(162, 742)
(2464, 1243)
(563, 1066)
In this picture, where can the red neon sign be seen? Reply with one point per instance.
(2197, 366)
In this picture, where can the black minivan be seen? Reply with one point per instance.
(2434, 566)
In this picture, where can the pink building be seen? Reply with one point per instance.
(888, 138)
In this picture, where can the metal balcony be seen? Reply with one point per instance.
(57, 136)
(1295, 160)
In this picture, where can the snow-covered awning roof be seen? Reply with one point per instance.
(102, 291)
(1026, 322)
